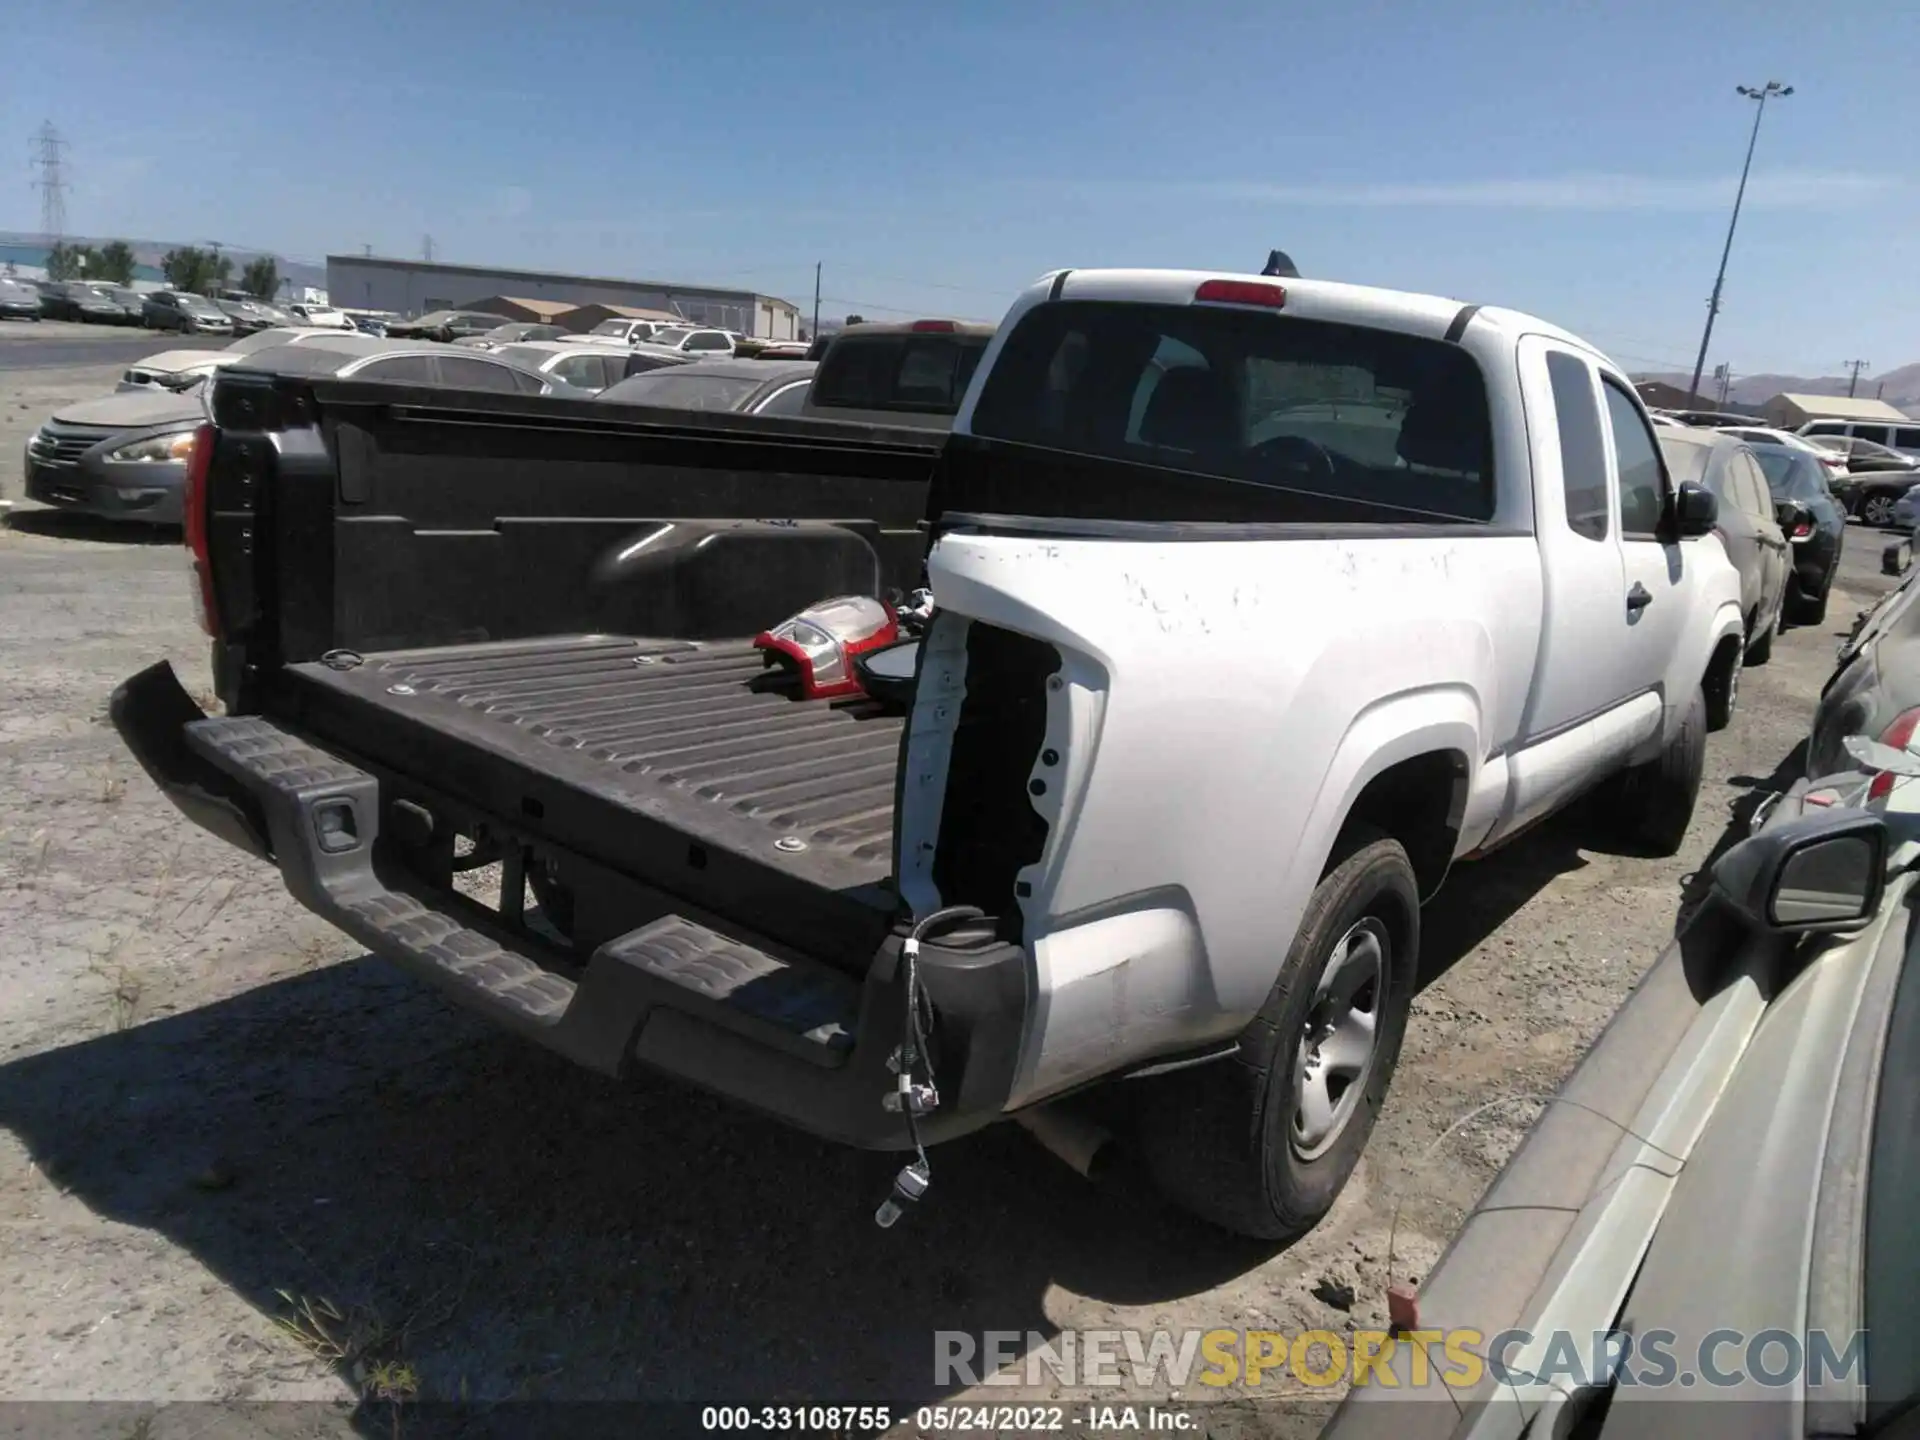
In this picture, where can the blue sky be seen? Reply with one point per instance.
(1574, 160)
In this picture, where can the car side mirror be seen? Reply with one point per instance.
(1823, 873)
(1790, 514)
(1695, 510)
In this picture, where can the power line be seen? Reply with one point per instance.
(1853, 369)
(47, 161)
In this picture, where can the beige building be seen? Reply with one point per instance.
(1790, 412)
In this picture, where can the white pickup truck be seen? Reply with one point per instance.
(1257, 604)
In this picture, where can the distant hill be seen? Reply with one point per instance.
(25, 248)
(1900, 388)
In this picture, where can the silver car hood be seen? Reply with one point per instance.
(133, 410)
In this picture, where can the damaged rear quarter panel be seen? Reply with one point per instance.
(1222, 703)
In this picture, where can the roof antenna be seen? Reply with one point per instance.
(1281, 264)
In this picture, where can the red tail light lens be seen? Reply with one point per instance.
(193, 521)
(1241, 292)
(1898, 735)
(1803, 529)
(934, 327)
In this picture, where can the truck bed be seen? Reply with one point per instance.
(698, 737)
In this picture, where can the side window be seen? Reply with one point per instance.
(708, 342)
(1905, 439)
(1875, 433)
(786, 400)
(1825, 427)
(582, 370)
(1642, 496)
(408, 369)
(1583, 458)
(467, 374)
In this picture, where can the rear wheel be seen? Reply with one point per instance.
(1262, 1143)
(1650, 805)
(1877, 508)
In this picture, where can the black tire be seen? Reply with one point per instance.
(1219, 1139)
(1876, 507)
(1651, 805)
(1810, 609)
(1722, 686)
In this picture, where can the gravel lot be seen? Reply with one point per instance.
(214, 1109)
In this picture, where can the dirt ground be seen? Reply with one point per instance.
(242, 1161)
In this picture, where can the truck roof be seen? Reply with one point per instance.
(1312, 299)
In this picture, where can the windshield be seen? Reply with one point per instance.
(1791, 474)
(15, 287)
(670, 337)
(1344, 411)
(197, 305)
(610, 327)
(679, 391)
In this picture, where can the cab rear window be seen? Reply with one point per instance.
(1307, 405)
(924, 374)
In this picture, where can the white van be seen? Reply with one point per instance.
(1904, 438)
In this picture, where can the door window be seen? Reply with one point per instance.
(1905, 439)
(1638, 476)
(787, 400)
(1875, 433)
(1583, 458)
(469, 374)
(411, 369)
(708, 342)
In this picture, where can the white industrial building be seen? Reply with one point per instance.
(413, 287)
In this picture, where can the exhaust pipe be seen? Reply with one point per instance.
(1072, 1137)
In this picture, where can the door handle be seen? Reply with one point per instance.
(1638, 598)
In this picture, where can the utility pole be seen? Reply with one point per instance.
(367, 250)
(815, 333)
(1853, 369)
(48, 161)
(1771, 90)
(1724, 374)
(426, 248)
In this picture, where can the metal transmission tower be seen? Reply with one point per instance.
(426, 248)
(1853, 369)
(48, 162)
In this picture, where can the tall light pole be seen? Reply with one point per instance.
(1761, 94)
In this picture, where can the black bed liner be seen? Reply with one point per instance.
(699, 737)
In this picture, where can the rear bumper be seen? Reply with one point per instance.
(688, 995)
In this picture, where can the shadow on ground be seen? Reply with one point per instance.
(521, 1228)
(67, 525)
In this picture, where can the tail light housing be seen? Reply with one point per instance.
(1898, 735)
(934, 327)
(193, 521)
(1803, 527)
(1241, 292)
(820, 644)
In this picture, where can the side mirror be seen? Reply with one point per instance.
(1823, 873)
(1790, 514)
(890, 673)
(1694, 510)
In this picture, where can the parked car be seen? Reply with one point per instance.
(186, 312)
(249, 316)
(512, 331)
(587, 368)
(912, 374)
(133, 305)
(783, 350)
(444, 325)
(1832, 462)
(1749, 523)
(183, 369)
(745, 387)
(18, 300)
(1730, 1176)
(1055, 890)
(407, 362)
(688, 340)
(1817, 537)
(1710, 419)
(368, 324)
(1869, 457)
(76, 300)
(1904, 438)
(324, 316)
(123, 457)
(624, 332)
(1874, 690)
